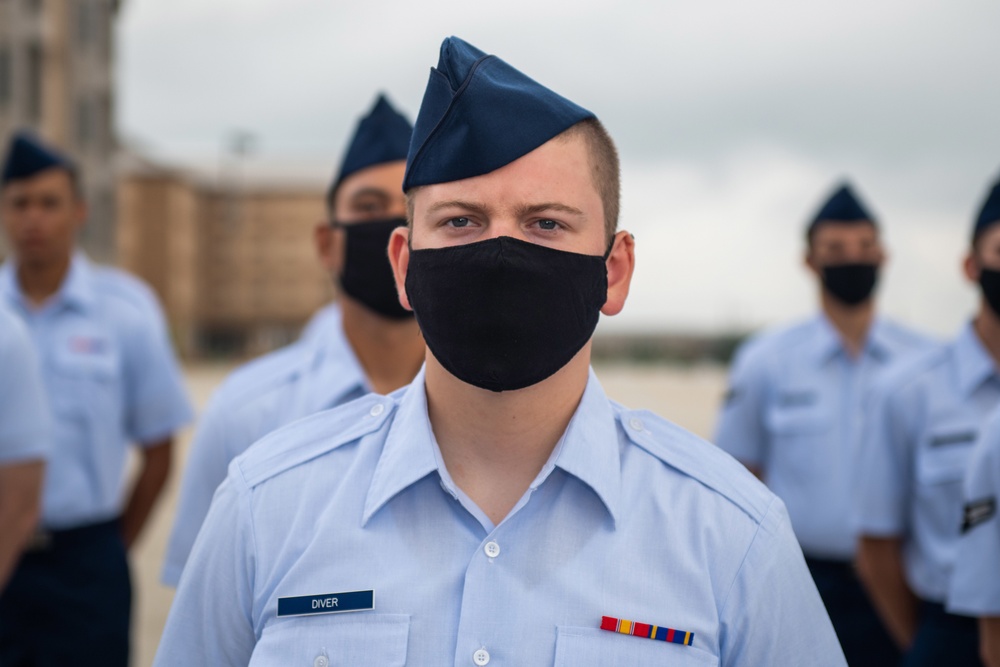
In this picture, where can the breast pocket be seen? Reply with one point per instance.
(944, 454)
(334, 640)
(589, 646)
(790, 419)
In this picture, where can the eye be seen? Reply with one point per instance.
(548, 225)
(458, 222)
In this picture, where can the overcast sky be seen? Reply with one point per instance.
(734, 119)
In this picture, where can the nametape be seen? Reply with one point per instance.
(977, 512)
(329, 603)
(960, 438)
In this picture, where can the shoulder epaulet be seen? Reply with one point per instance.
(698, 459)
(311, 437)
(907, 336)
(257, 375)
(910, 368)
(124, 286)
(759, 347)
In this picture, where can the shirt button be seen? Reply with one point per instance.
(481, 657)
(376, 411)
(492, 550)
(321, 661)
(635, 423)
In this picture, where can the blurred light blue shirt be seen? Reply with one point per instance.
(925, 418)
(25, 420)
(631, 517)
(318, 372)
(975, 582)
(794, 411)
(111, 378)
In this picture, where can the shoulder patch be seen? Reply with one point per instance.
(978, 512)
(312, 436)
(698, 459)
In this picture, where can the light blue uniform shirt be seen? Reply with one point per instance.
(25, 421)
(313, 374)
(924, 421)
(794, 411)
(975, 581)
(111, 379)
(631, 517)
(322, 321)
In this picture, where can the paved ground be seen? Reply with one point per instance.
(688, 396)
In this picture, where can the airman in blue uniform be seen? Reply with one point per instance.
(500, 510)
(795, 406)
(925, 418)
(975, 580)
(365, 341)
(112, 381)
(25, 429)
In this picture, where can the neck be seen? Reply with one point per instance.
(987, 327)
(40, 280)
(390, 352)
(851, 322)
(495, 444)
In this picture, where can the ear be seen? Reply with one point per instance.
(399, 258)
(971, 268)
(329, 247)
(621, 264)
(809, 261)
(81, 213)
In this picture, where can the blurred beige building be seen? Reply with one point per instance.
(56, 78)
(235, 266)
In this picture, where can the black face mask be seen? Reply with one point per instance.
(505, 314)
(851, 284)
(989, 281)
(367, 274)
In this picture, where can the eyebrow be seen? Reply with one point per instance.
(522, 211)
(530, 209)
(369, 192)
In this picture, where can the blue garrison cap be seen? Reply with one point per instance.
(842, 206)
(27, 156)
(381, 136)
(479, 114)
(989, 214)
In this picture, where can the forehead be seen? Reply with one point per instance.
(54, 180)
(558, 171)
(386, 177)
(844, 232)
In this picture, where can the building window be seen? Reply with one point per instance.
(34, 98)
(84, 23)
(84, 122)
(5, 77)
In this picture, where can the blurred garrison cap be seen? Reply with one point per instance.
(479, 114)
(842, 206)
(989, 214)
(27, 156)
(381, 136)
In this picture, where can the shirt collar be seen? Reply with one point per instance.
(339, 372)
(829, 343)
(588, 450)
(973, 363)
(77, 288)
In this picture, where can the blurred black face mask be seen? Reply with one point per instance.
(367, 275)
(851, 284)
(989, 281)
(504, 314)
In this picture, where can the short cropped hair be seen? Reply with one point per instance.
(605, 170)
